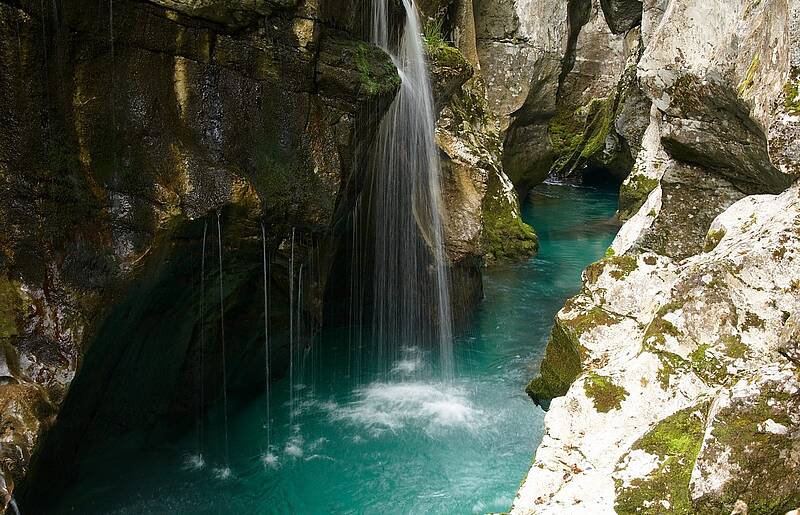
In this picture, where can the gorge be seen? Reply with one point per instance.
(354, 256)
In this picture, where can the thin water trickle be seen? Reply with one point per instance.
(199, 460)
(291, 334)
(222, 337)
(268, 422)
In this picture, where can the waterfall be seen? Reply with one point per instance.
(291, 333)
(408, 206)
(266, 329)
(198, 461)
(226, 471)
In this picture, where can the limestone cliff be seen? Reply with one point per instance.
(563, 81)
(672, 379)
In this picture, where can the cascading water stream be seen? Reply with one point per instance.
(266, 330)
(408, 206)
(198, 460)
(226, 471)
(267, 457)
(291, 333)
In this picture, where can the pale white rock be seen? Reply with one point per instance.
(722, 39)
(720, 313)
(520, 46)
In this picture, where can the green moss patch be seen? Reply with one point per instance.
(378, 74)
(577, 135)
(712, 239)
(621, 267)
(506, 237)
(767, 478)
(10, 308)
(676, 440)
(791, 96)
(633, 194)
(605, 394)
(750, 76)
(560, 368)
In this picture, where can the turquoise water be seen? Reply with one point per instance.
(399, 444)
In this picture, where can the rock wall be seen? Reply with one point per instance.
(672, 379)
(130, 130)
(126, 129)
(563, 81)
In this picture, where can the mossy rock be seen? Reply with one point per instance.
(560, 368)
(605, 394)
(621, 267)
(764, 471)
(378, 74)
(676, 441)
(791, 95)
(634, 193)
(576, 135)
(505, 237)
(713, 239)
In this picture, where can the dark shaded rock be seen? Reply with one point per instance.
(622, 15)
(230, 13)
(560, 368)
(692, 200)
(121, 131)
(708, 125)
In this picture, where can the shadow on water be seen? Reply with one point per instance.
(363, 442)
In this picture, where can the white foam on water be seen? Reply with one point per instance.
(270, 460)
(318, 457)
(294, 447)
(194, 462)
(412, 361)
(223, 473)
(406, 366)
(433, 406)
(316, 444)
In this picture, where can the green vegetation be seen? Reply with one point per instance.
(713, 239)
(560, 368)
(621, 267)
(604, 393)
(578, 135)
(676, 441)
(791, 94)
(440, 51)
(378, 74)
(767, 478)
(633, 194)
(750, 77)
(734, 347)
(506, 237)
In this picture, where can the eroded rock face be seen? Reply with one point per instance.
(622, 15)
(687, 330)
(683, 390)
(126, 136)
(521, 46)
(561, 76)
(483, 224)
(716, 96)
